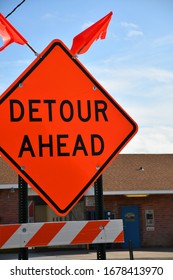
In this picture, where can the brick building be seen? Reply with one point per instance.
(137, 188)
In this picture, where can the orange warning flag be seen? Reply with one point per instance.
(9, 34)
(83, 41)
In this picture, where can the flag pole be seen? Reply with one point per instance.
(36, 53)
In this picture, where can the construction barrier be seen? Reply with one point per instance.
(61, 233)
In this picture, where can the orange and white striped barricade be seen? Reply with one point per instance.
(61, 233)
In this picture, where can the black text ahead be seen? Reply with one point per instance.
(58, 143)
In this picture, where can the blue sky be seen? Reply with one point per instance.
(134, 63)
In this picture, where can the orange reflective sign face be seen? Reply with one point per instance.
(60, 128)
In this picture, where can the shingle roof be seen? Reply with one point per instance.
(124, 173)
(7, 173)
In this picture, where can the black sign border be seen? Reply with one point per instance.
(58, 43)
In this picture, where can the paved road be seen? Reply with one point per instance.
(144, 254)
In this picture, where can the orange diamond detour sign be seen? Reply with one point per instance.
(60, 128)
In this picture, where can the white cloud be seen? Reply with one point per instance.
(133, 77)
(129, 25)
(160, 75)
(146, 93)
(132, 33)
(155, 140)
(87, 24)
(163, 41)
(132, 29)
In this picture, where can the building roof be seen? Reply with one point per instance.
(139, 172)
(7, 173)
(128, 172)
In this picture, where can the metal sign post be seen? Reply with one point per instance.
(23, 212)
(99, 210)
